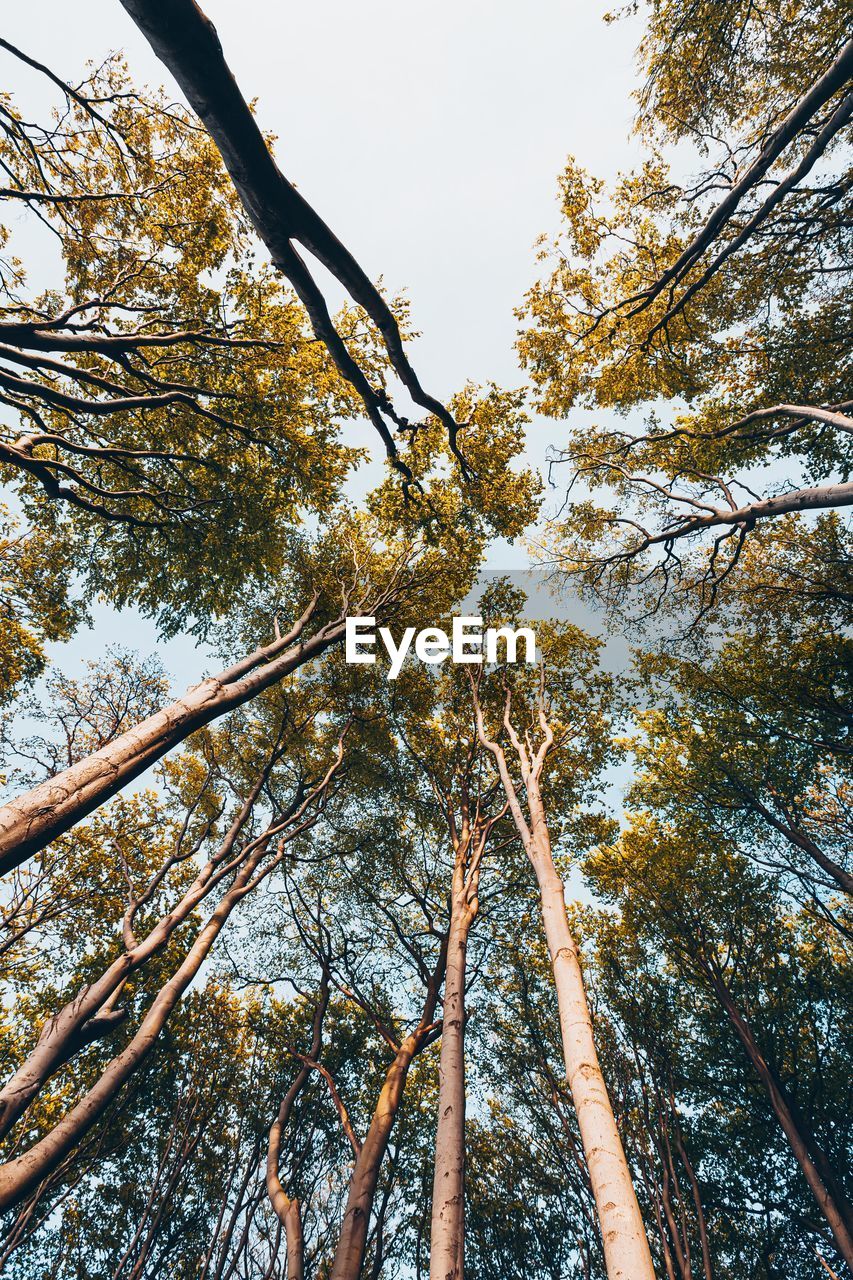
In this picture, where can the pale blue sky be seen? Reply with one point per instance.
(428, 136)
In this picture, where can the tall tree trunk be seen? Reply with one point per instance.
(287, 1208)
(809, 1155)
(349, 1255)
(19, 1176)
(32, 820)
(626, 1249)
(447, 1235)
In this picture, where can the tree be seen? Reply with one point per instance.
(34, 600)
(279, 1008)
(566, 711)
(750, 731)
(719, 924)
(239, 864)
(433, 715)
(186, 42)
(139, 388)
(714, 309)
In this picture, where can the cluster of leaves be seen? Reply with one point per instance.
(172, 420)
(713, 312)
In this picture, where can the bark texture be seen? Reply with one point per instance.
(32, 820)
(626, 1248)
(447, 1230)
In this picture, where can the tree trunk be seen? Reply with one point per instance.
(19, 1176)
(32, 820)
(707, 1264)
(626, 1249)
(287, 1209)
(74, 1024)
(349, 1255)
(447, 1236)
(809, 1155)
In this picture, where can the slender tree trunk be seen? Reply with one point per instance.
(447, 1236)
(707, 1264)
(287, 1209)
(811, 1158)
(655, 1185)
(681, 1260)
(626, 1247)
(156, 1227)
(19, 1176)
(379, 1247)
(681, 1234)
(221, 1245)
(663, 1237)
(32, 820)
(349, 1255)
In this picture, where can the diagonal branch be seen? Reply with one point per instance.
(186, 42)
(825, 88)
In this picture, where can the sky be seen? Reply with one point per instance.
(429, 137)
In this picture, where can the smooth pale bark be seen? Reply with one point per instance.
(89, 1013)
(32, 820)
(18, 1177)
(626, 1248)
(287, 1209)
(349, 1255)
(814, 498)
(447, 1232)
(809, 1155)
(292, 1223)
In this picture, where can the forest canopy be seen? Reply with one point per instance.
(534, 966)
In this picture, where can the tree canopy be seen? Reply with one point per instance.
(493, 963)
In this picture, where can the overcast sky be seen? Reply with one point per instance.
(428, 136)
